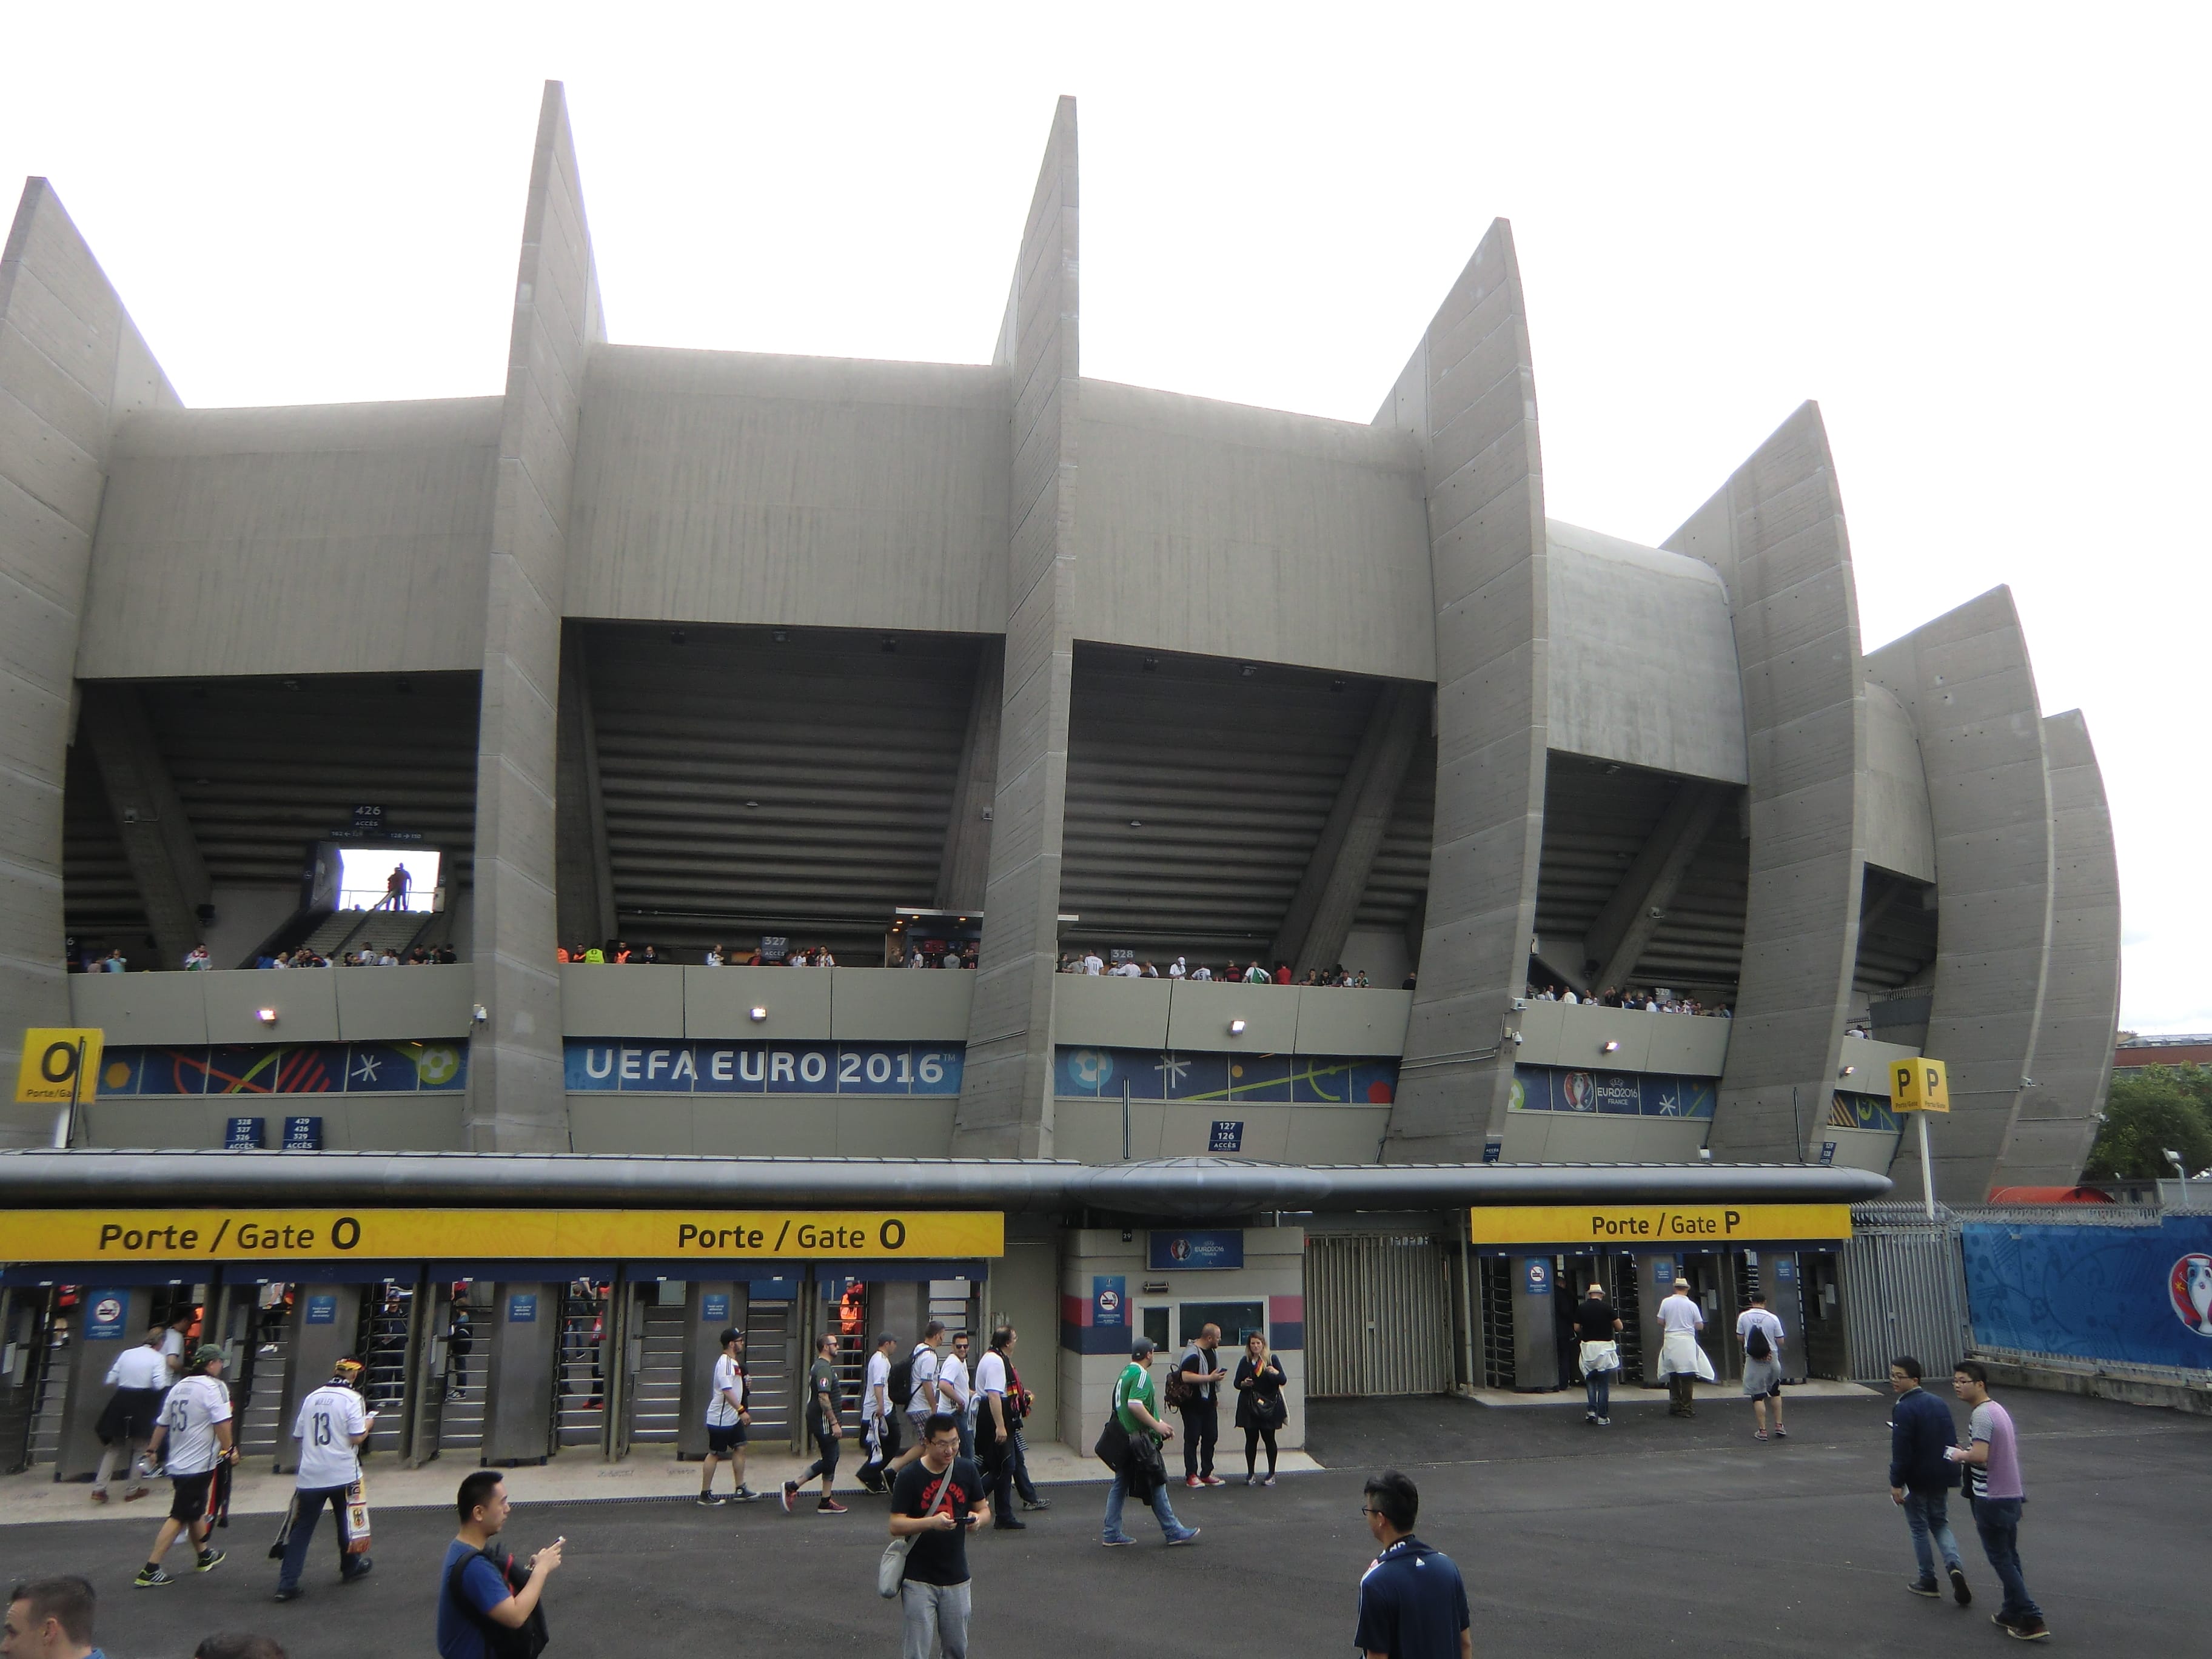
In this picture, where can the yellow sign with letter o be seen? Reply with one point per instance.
(1919, 1085)
(60, 1064)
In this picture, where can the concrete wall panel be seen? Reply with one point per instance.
(223, 529)
(1199, 1017)
(626, 1001)
(1966, 681)
(898, 1004)
(304, 1000)
(1624, 619)
(1103, 1013)
(1333, 1022)
(1225, 531)
(149, 1009)
(1775, 533)
(717, 1002)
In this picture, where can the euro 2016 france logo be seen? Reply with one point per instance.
(1090, 1068)
(2190, 1285)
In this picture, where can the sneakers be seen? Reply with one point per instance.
(830, 1506)
(1269, 1481)
(1212, 1480)
(1927, 1586)
(356, 1575)
(790, 1491)
(97, 1495)
(1116, 1543)
(1035, 1503)
(1251, 1480)
(1191, 1481)
(746, 1495)
(152, 1578)
(135, 1493)
(1759, 1434)
(2030, 1629)
(1605, 1422)
(209, 1561)
(292, 1594)
(1189, 1534)
(1959, 1592)
(707, 1500)
(1781, 1433)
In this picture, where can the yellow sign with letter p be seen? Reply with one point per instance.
(60, 1064)
(1919, 1085)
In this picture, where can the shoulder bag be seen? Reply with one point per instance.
(890, 1571)
(525, 1641)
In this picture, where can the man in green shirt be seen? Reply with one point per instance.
(1135, 1410)
(822, 1423)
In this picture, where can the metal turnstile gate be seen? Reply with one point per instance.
(769, 1368)
(1498, 1337)
(656, 1388)
(580, 1399)
(1379, 1322)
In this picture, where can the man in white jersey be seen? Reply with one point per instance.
(140, 1377)
(728, 1415)
(331, 1425)
(192, 1438)
(875, 1409)
(955, 1396)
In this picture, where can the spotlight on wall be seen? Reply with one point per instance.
(1705, 1154)
(266, 1016)
(1611, 1047)
(759, 1014)
(1237, 1028)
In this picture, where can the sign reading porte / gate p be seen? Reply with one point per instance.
(247, 1234)
(1658, 1226)
(60, 1064)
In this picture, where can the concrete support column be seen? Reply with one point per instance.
(964, 871)
(1327, 898)
(1005, 1097)
(157, 837)
(515, 1099)
(71, 364)
(1775, 532)
(1470, 394)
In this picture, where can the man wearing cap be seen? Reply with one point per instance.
(729, 1411)
(331, 1424)
(193, 1440)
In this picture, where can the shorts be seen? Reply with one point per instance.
(1762, 1379)
(188, 1499)
(723, 1439)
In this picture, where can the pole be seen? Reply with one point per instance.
(1926, 1180)
(67, 1127)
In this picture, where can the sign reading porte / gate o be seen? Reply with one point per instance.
(249, 1235)
(59, 1065)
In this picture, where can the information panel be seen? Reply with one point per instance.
(1660, 1226)
(245, 1234)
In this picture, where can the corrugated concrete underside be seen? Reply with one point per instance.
(1597, 816)
(1775, 532)
(800, 787)
(1643, 658)
(740, 487)
(1966, 680)
(1901, 834)
(1225, 531)
(2057, 1120)
(223, 529)
(1195, 796)
(71, 364)
(1470, 392)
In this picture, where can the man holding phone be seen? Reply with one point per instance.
(935, 1501)
(330, 1428)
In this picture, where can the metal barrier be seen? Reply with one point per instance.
(1904, 1290)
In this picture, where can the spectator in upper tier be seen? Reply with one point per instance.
(1151, 972)
(1200, 973)
(1282, 973)
(1256, 975)
(648, 957)
(113, 962)
(1127, 969)
(596, 956)
(1411, 975)
(1178, 969)
(1092, 965)
(620, 955)
(196, 959)
(713, 956)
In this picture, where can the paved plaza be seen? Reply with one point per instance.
(1657, 1536)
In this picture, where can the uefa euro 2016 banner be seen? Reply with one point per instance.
(1260, 1079)
(286, 1068)
(771, 1068)
(1617, 1094)
(2139, 1296)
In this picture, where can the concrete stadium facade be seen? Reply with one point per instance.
(1092, 663)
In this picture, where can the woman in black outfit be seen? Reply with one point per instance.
(1259, 1405)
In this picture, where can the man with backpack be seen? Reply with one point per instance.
(1761, 1333)
(487, 1609)
(913, 1380)
(1193, 1390)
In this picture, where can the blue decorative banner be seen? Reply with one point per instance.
(1227, 1135)
(1282, 1080)
(2139, 1296)
(755, 1068)
(104, 1313)
(1186, 1252)
(1854, 1111)
(286, 1068)
(1611, 1094)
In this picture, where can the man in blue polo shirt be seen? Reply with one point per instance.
(1413, 1602)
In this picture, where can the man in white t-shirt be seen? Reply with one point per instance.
(956, 1394)
(1762, 1371)
(1093, 964)
(922, 1390)
(1178, 967)
(140, 1377)
(172, 1342)
(331, 1425)
(193, 1439)
(876, 1435)
(1681, 1360)
(729, 1414)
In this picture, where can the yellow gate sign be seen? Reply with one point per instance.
(60, 1064)
(1919, 1085)
(1657, 1226)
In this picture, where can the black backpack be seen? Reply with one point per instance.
(901, 1388)
(524, 1641)
(1756, 1345)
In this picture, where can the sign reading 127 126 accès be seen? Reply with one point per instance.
(1187, 1251)
(755, 1068)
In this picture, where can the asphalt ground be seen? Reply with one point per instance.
(1654, 1536)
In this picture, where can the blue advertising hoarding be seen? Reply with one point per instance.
(1187, 1250)
(1612, 1094)
(286, 1068)
(1278, 1079)
(755, 1068)
(2139, 1296)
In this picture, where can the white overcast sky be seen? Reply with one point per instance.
(1976, 234)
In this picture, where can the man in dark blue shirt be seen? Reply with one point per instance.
(1413, 1602)
(1920, 1478)
(472, 1592)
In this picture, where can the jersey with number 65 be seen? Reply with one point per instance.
(329, 1419)
(190, 1411)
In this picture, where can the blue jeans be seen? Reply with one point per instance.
(1162, 1510)
(1925, 1512)
(1598, 1386)
(1997, 1520)
(310, 1500)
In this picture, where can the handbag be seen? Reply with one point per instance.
(1113, 1442)
(891, 1570)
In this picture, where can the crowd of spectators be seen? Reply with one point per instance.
(384, 956)
(1652, 1001)
(1255, 972)
(947, 955)
(619, 953)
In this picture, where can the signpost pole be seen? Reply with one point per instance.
(1926, 1180)
(77, 1082)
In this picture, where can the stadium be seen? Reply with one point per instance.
(1418, 858)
